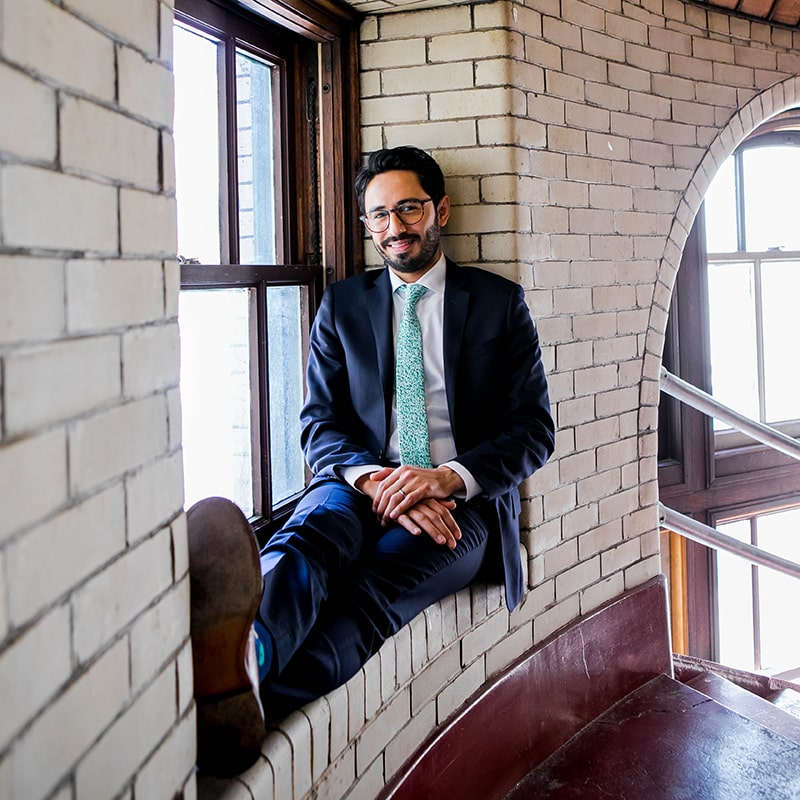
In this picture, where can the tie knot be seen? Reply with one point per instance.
(413, 292)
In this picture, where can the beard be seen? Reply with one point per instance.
(407, 263)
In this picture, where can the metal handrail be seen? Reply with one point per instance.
(698, 399)
(697, 531)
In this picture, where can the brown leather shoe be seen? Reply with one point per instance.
(226, 586)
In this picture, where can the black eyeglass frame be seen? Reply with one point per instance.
(397, 212)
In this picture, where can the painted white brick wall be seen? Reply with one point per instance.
(95, 666)
(578, 140)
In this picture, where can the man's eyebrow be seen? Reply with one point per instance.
(398, 203)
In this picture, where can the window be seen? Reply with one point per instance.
(263, 135)
(754, 602)
(731, 331)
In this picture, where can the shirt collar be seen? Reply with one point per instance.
(432, 280)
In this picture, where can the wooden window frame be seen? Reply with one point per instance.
(320, 238)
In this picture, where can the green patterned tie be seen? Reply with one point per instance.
(412, 418)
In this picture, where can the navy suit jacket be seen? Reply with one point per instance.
(495, 383)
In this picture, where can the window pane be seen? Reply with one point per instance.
(779, 594)
(216, 397)
(720, 210)
(734, 361)
(780, 288)
(735, 601)
(197, 145)
(284, 331)
(255, 125)
(772, 197)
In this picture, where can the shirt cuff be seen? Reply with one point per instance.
(473, 488)
(352, 474)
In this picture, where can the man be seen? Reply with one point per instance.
(414, 492)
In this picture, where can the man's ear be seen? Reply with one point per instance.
(443, 211)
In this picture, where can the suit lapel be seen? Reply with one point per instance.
(378, 297)
(456, 305)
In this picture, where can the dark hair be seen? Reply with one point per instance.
(407, 158)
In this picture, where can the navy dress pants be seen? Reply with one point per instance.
(337, 584)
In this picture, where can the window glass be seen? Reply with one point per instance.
(216, 395)
(734, 347)
(256, 172)
(780, 281)
(285, 334)
(735, 601)
(197, 145)
(772, 198)
(720, 211)
(779, 594)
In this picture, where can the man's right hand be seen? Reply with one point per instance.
(430, 515)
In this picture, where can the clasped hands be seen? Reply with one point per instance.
(418, 499)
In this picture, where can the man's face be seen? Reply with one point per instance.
(410, 250)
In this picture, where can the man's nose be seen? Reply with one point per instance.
(396, 225)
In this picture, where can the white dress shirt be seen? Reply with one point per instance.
(430, 311)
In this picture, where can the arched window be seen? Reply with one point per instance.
(733, 328)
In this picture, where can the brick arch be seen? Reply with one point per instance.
(759, 109)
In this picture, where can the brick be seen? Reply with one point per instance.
(112, 294)
(403, 80)
(435, 676)
(555, 618)
(319, 718)
(466, 683)
(577, 578)
(171, 763)
(454, 47)
(33, 480)
(402, 53)
(85, 709)
(134, 21)
(379, 732)
(148, 224)
(434, 22)
(112, 599)
(109, 444)
(145, 87)
(386, 110)
(510, 648)
(407, 739)
(28, 371)
(158, 634)
(150, 495)
(44, 38)
(476, 103)
(55, 556)
(594, 596)
(372, 687)
(484, 636)
(150, 359)
(29, 133)
(98, 140)
(45, 646)
(278, 753)
(297, 729)
(70, 213)
(33, 299)
(122, 749)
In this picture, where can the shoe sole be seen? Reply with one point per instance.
(226, 586)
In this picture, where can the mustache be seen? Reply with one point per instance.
(401, 238)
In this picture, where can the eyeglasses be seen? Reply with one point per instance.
(409, 212)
